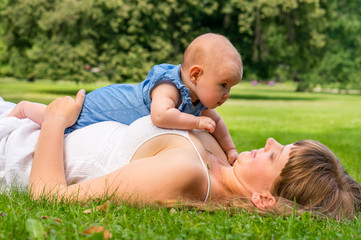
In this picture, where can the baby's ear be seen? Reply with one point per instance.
(263, 201)
(195, 72)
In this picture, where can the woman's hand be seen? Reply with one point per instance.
(65, 110)
(47, 171)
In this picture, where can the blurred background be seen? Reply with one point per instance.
(314, 43)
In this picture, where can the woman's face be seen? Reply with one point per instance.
(258, 169)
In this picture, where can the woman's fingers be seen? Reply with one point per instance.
(79, 100)
(65, 109)
(80, 97)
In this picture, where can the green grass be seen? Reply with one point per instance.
(253, 114)
(43, 92)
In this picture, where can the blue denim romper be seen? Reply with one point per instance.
(125, 103)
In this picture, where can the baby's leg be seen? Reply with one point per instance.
(25, 109)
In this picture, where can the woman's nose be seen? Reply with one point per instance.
(271, 142)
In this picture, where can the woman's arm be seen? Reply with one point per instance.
(174, 173)
(171, 174)
(47, 171)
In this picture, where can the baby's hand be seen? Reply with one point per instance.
(206, 123)
(232, 155)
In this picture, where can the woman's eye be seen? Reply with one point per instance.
(272, 156)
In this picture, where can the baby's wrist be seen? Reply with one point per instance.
(198, 122)
(231, 150)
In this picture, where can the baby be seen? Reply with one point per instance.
(176, 96)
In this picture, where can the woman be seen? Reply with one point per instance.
(175, 165)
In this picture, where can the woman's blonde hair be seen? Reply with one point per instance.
(314, 178)
(313, 181)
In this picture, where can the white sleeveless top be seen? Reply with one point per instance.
(90, 152)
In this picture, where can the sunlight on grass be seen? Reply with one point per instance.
(43, 92)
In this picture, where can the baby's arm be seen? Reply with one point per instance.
(164, 113)
(222, 135)
(25, 109)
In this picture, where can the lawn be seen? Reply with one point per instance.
(253, 113)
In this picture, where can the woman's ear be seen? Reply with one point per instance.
(263, 201)
(195, 72)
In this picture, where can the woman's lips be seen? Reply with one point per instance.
(254, 153)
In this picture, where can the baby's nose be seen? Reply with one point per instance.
(226, 95)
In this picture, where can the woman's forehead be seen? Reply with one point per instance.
(284, 155)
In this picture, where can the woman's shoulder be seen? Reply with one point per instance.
(179, 159)
(187, 173)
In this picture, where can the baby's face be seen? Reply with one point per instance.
(213, 87)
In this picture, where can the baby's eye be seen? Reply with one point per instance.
(224, 85)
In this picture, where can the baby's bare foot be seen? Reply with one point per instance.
(18, 110)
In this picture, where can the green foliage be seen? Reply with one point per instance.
(314, 42)
(122, 38)
(283, 35)
(341, 62)
(3, 49)
(35, 229)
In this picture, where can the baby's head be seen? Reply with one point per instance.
(211, 65)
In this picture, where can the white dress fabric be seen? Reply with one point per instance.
(90, 152)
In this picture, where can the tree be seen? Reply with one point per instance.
(310, 41)
(284, 35)
(340, 66)
(4, 69)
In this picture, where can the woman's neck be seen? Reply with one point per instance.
(223, 180)
(231, 182)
